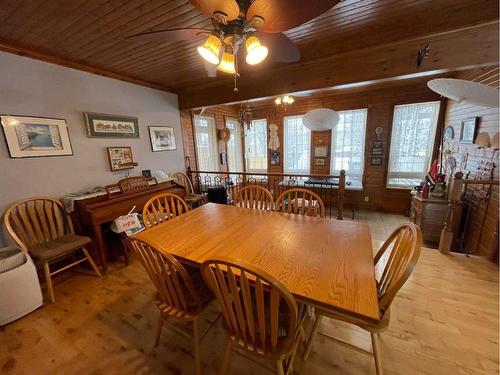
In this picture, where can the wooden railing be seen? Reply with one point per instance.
(330, 188)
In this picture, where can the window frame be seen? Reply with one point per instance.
(363, 148)
(238, 155)
(245, 160)
(214, 142)
(303, 172)
(390, 143)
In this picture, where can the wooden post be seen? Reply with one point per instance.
(340, 212)
(455, 192)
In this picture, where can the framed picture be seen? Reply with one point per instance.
(320, 151)
(377, 144)
(162, 138)
(469, 130)
(146, 173)
(275, 158)
(449, 133)
(120, 158)
(99, 125)
(29, 137)
(223, 158)
(319, 161)
(377, 151)
(376, 161)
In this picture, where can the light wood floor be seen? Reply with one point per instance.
(444, 321)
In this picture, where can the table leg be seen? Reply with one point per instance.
(101, 248)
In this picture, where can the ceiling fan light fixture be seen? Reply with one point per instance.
(210, 49)
(227, 64)
(256, 52)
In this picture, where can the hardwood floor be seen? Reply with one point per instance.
(444, 321)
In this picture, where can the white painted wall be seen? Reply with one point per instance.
(34, 88)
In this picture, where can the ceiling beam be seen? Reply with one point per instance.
(21, 51)
(449, 51)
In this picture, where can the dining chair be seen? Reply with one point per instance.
(261, 316)
(254, 196)
(41, 227)
(181, 296)
(193, 200)
(395, 260)
(300, 201)
(163, 207)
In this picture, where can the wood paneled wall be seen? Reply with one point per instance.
(482, 233)
(380, 104)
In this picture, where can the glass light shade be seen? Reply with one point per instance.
(321, 119)
(227, 63)
(277, 101)
(210, 49)
(256, 52)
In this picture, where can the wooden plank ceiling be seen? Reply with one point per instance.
(90, 35)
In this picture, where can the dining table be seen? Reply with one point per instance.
(324, 263)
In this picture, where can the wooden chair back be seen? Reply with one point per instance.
(254, 196)
(183, 180)
(163, 207)
(36, 220)
(171, 280)
(256, 307)
(300, 201)
(398, 256)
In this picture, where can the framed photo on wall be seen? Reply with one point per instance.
(99, 125)
(162, 138)
(29, 137)
(376, 161)
(320, 151)
(275, 158)
(469, 130)
(377, 151)
(120, 158)
(319, 161)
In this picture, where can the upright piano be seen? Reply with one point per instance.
(92, 213)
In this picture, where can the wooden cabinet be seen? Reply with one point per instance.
(430, 215)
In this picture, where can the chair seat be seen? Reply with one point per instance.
(57, 248)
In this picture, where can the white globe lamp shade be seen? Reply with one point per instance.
(466, 92)
(321, 119)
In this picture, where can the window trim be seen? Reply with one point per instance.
(435, 140)
(245, 165)
(242, 146)
(305, 173)
(196, 141)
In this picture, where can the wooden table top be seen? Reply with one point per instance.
(325, 263)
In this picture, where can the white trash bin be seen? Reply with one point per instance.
(20, 291)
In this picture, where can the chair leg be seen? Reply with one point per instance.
(312, 334)
(48, 280)
(158, 329)
(196, 339)
(227, 355)
(376, 353)
(91, 261)
(279, 367)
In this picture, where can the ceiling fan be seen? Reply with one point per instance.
(258, 24)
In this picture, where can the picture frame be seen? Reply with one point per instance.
(162, 138)
(377, 151)
(120, 158)
(30, 137)
(146, 173)
(377, 144)
(376, 161)
(275, 158)
(319, 161)
(100, 125)
(468, 130)
(223, 158)
(320, 151)
(448, 133)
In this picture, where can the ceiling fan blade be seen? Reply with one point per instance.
(282, 15)
(229, 7)
(170, 35)
(280, 47)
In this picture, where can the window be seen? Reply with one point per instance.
(297, 147)
(234, 149)
(412, 141)
(206, 143)
(256, 147)
(348, 145)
